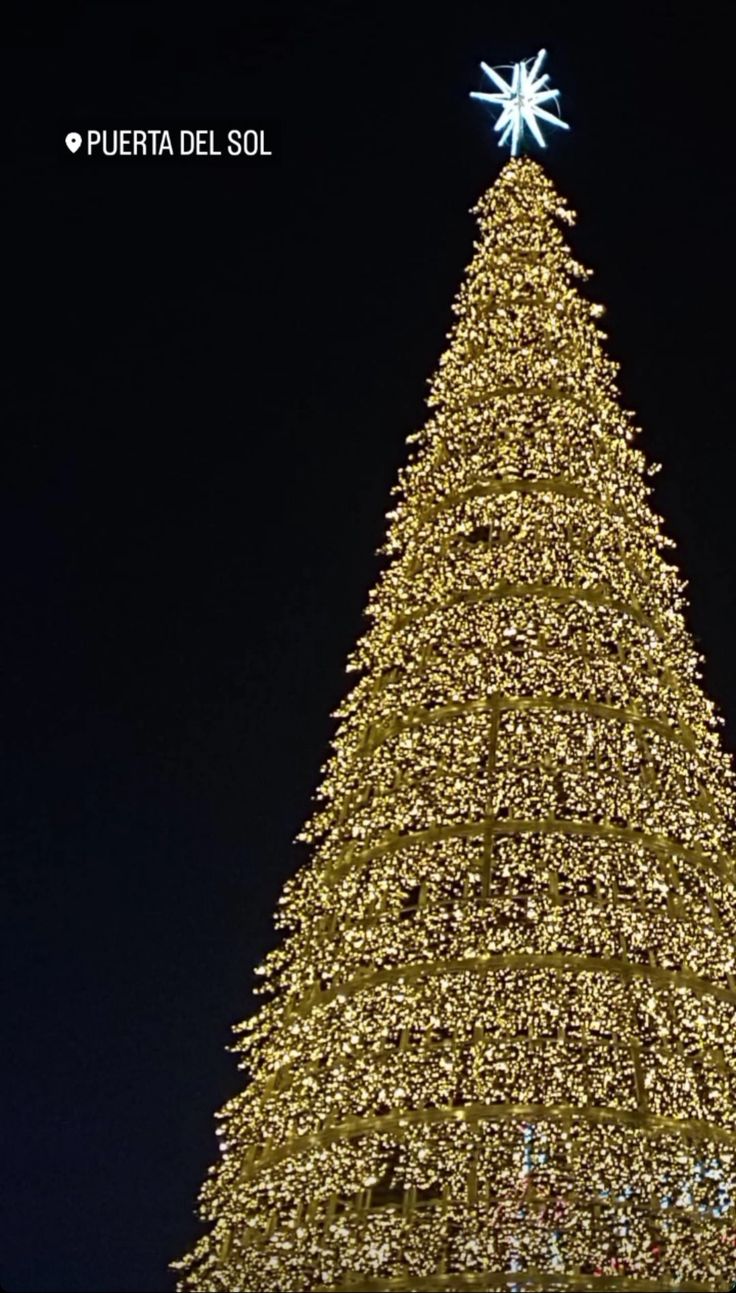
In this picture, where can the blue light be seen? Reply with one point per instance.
(520, 100)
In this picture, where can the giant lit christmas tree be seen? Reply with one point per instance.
(499, 1049)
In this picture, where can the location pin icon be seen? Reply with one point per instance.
(73, 141)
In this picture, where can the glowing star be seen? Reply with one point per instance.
(521, 99)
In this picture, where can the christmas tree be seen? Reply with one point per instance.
(499, 1045)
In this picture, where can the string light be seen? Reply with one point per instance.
(498, 1048)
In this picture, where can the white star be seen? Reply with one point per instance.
(521, 99)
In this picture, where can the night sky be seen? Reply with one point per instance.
(209, 375)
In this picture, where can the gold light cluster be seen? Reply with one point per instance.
(498, 1049)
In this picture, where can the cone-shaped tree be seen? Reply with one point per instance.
(500, 1050)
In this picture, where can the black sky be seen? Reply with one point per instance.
(209, 375)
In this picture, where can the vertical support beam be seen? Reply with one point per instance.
(489, 836)
(641, 1090)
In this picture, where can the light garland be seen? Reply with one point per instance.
(499, 1049)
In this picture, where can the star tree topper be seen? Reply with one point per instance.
(521, 99)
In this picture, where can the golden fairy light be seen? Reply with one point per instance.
(498, 1046)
